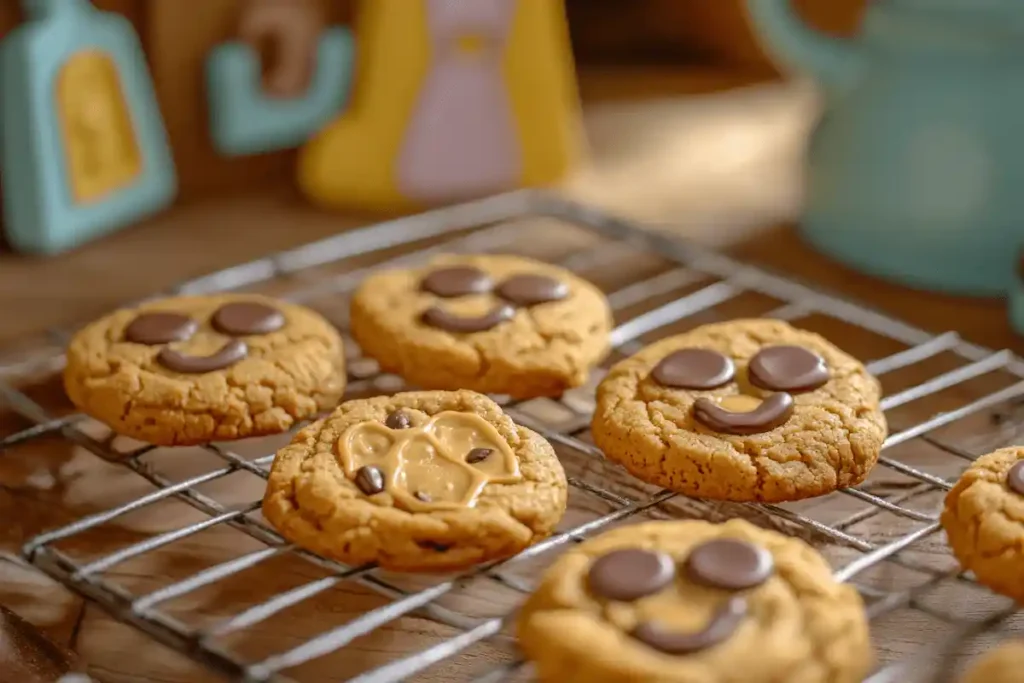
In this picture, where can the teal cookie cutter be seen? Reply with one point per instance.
(244, 120)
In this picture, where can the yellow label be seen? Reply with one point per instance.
(101, 151)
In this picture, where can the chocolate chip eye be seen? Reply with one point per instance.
(478, 455)
(531, 290)
(729, 564)
(457, 281)
(246, 318)
(397, 420)
(1015, 478)
(792, 369)
(160, 328)
(695, 369)
(630, 574)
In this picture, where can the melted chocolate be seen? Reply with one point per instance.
(787, 368)
(729, 564)
(160, 328)
(694, 369)
(531, 290)
(1015, 478)
(457, 281)
(630, 574)
(450, 322)
(370, 480)
(246, 318)
(771, 413)
(229, 354)
(722, 625)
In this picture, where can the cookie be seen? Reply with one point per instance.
(747, 410)
(1005, 664)
(188, 370)
(694, 602)
(984, 521)
(492, 324)
(419, 481)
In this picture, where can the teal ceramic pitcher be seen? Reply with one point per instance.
(915, 172)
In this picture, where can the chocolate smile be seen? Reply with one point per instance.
(786, 370)
(229, 354)
(722, 625)
(524, 290)
(771, 413)
(446, 320)
(725, 564)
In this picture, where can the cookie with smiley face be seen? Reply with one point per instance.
(694, 602)
(419, 481)
(189, 370)
(983, 518)
(493, 324)
(747, 410)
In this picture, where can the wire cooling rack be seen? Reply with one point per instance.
(204, 574)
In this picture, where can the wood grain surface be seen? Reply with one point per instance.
(721, 168)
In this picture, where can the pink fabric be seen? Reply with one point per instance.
(461, 140)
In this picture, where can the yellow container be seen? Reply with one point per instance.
(451, 100)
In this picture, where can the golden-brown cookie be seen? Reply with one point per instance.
(188, 370)
(694, 602)
(984, 521)
(493, 324)
(1005, 664)
(747, 410)
(418, 481)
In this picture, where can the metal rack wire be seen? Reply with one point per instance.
(947, 401)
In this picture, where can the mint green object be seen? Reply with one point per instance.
(245, 120)
(41, 212)
(915, 172)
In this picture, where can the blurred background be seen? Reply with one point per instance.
(639, 49)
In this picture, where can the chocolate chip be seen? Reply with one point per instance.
(229, 354)
(531, 290)
(630, 574)
(160, 328)
(422, 497)
(370, 480)
(457, 281)
(729, 564)
(722, 625)
(771, 413)
(695, 369)
(397, 420)
(450, 322)
(787, 368)
(247, 317)
(1015, 478)
(478, 455)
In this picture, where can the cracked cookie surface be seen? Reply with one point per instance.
(419, 481)
(496, 324)
(746, 410)
(984, 521)
(694, 602)
(188, 370)
(1004, 664)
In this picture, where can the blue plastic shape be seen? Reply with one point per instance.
(41, 213)
(244, 120)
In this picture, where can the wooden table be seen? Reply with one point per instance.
(681, 150)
